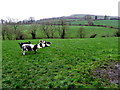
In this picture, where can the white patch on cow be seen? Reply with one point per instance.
(39, 46)
(31, 45)
(43, 45)
(48, 45)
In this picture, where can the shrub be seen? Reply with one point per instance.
(106, 35)
(93, 36)
(117, 33)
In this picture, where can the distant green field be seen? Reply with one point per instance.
(89, 30)
(66, 63)
(113, 23)
(77, 22)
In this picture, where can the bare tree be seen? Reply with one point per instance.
(7, 31)
(33, 30)
(14, 23)
(2, 21)
(13, 29)
(52, 29)
(20, 34)
(81, 32)
(3, 32)
(106, 17)
(62, 28)
(31, 19)
(89, 20)
(96, 17)
(45, 29)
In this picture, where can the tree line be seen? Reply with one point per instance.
(13, 30)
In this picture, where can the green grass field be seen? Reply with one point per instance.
(66, 63)
(89, 30)
(113, 23)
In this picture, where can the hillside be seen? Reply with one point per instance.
(82, 17)
(93, 16)
(78, 19)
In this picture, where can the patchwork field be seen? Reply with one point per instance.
(66, 63)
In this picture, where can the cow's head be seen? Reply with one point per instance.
(47, 44)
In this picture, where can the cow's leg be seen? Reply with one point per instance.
(23, 50)
(35, 51)
(23, 53)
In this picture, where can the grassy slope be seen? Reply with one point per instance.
(68, 62)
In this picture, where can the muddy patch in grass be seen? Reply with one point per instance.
(109, 71)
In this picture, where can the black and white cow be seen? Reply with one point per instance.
(31, 47)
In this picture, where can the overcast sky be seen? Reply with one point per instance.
(23, 9)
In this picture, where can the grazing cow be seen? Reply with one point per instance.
(32, 47)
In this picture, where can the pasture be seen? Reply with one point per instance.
(72, 31)
(113, 23)
(66, 63)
